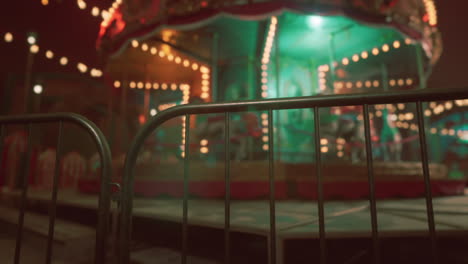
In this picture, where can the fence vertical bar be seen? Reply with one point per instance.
(186, 189)
(53, 205)
(2, 135)
(271, 177)
(371, 179)
(427, 181)
(24, 192)
(227, 199)
(318, 169)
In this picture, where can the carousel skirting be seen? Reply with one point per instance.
(287, 190)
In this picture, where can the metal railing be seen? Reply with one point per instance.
(269, 105)
(104, 196)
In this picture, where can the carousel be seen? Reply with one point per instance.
(159, 54)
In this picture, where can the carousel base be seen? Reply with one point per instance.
(249, 180)
(403, 230)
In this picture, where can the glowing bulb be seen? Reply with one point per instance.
(401, 82)
(173, 86)
(376, 83)
(195, 66)
(153, 50)
(116, 84)
(31, 40)
(364, 55)
(34, 49)
(408, 41)
(153, 112)
(135, 43)
(82, 67)
(409, 81)
(375, 51)
(170, 57)
(155, 86)
(392, 82)
(355, 58)
(132, 85)
(8, 37)
(164, 86)
(37, 89)
(63, 61)
(396, 44)
(178, 60)
(385, 48)
(95, 11)
(144, 47)
(161, 54)
(148, 85)
(186, 63)
(81, 4)
(49, 54)
(359, 84)
(44, 2)
(345, 61)
(314, 21)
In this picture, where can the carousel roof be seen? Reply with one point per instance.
(363, 24)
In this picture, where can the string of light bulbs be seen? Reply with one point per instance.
(49, 54)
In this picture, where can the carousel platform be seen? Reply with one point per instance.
(401, 222)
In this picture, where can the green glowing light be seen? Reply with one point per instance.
(314, 21)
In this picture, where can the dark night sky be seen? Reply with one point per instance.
(72, 32)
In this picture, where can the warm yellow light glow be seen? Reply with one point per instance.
(135, 43)
(95, 11)
(140, 85)
(396, 44)
(148, 85)
(81, 4)
(44, 2)
(359, 84)
(194, 66)
(170, 57)
(116, 84)
(82, 67)
(409, 81)
(34, 49)
(63, 61)
(323, 141)
(49, 54)
(8, 37)
(392, 82)
(132, 85)
(324, 149)
(186, 63)
(144, 47)
(368, 84)
(178, 60)
(345, 61)
(385, 48)
(376, 83)
(375, 51)
(355, 58)
(364, 54)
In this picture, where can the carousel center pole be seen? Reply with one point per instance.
(420, 64)
(214, 67)
(278, 84)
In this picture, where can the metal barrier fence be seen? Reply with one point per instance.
(269, 105)
(104, 197)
